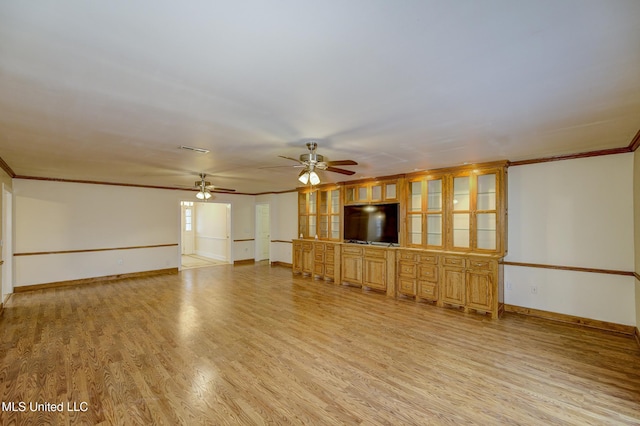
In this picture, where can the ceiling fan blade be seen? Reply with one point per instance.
(289, 158)
(280, 167)
(216, 189)
(337, 170)
(342, 163)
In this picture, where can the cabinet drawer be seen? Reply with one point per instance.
(428, 291)
(307, 245)
(330, 250)
(352, 250)
(318, 269)
(483, 265)
(407, 269)
(319, 246)
(407, 286)
(318, 257)
(328, 270)
(428, 273)
(431, 259)
(407, 255)
(454, 261)
(378, 253)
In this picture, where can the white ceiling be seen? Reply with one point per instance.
(108, 90)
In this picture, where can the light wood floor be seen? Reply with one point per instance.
(251, 344)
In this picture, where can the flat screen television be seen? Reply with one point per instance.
(376, 223)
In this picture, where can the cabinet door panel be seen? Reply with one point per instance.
(297, 257)
(453, 283)
(375, 273)
(479, 290)
(307, 260)
(352, 269)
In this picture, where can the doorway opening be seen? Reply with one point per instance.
(205, 234)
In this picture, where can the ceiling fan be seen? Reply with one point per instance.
(205, 188)
(313, 161)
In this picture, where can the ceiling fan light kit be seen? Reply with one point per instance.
(309, 176)
(203, 195)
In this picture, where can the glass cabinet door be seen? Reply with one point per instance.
(486, 213)
(390, 192)
(334, 214)
(323, 215)
(414, 210)
(461, 213)
(434, 212)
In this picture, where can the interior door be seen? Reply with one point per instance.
(263, 232)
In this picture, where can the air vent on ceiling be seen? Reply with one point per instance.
(193, 148)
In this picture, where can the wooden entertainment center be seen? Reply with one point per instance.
(451, 238)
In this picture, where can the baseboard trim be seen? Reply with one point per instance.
(283, 264)
(244, 262)
(585, 322)
(637, 334)
(93, 280)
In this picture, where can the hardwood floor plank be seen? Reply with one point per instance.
(253, 344)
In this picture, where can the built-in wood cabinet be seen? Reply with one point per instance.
(473, 283)
(417, 274)
(385, 191)
(425, 212)
(451, 243)
(320, 213)
(307, 213)
(326, 260)
(461, 209)
(369, 266)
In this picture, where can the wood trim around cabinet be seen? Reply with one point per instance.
(570, 268)
(94, 280)
(40, 253)
(570, 319)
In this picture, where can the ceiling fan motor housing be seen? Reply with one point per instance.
(311, 158)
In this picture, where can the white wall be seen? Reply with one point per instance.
(211, 237)
(57, 216)
(573, 213)
(63, 216)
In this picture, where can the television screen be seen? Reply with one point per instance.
(371, 223)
